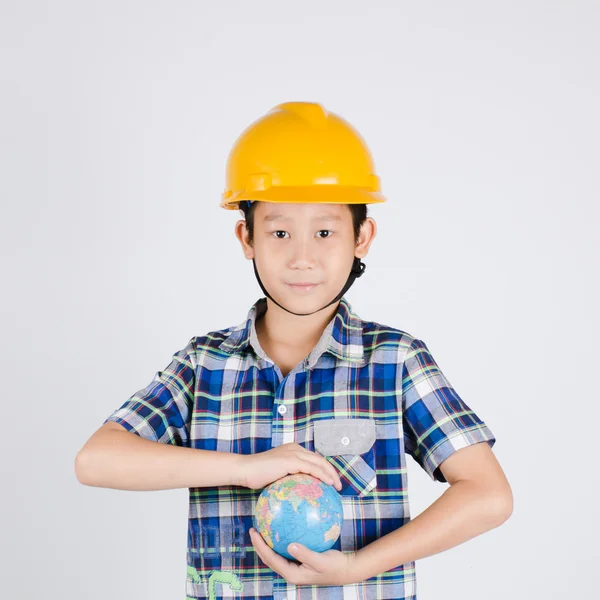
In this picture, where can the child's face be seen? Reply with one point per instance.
(305, 243)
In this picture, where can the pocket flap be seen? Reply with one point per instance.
(344, 436)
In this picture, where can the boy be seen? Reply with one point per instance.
(237, 409)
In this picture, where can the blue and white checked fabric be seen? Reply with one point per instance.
(222, 392)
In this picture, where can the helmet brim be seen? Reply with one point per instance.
(314, 194)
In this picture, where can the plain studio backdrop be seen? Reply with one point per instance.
(117, 118)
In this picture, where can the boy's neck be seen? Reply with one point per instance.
(278, 328)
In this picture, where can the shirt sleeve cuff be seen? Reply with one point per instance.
(451, 444)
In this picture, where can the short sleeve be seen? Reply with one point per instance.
(436, 421)
(162, 410)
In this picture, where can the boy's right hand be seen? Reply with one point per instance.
(261, 469)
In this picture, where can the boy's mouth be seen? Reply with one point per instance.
(302, 287)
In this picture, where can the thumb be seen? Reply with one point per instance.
(303, 554)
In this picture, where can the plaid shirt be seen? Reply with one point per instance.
(365, 396)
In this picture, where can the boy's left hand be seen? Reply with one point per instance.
(331, 567)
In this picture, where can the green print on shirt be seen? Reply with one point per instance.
(223, 577)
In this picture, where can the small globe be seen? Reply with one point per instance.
(299, 508)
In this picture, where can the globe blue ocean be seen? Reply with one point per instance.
(299, 508)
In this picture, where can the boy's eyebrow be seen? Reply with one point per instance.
(280, 217)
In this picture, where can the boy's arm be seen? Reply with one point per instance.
(116, 458)
(145, 443)
(479, 499)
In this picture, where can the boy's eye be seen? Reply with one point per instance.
(327, 231)
(279, 231)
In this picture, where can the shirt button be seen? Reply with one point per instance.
(345, 440)
(282, 409)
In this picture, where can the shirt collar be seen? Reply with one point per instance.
(342, 337)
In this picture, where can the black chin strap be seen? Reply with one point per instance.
(358, 268)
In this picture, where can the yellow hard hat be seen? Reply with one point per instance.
(300, 152)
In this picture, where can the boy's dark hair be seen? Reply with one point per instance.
(358, 211)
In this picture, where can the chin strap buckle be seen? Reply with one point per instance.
(358, 268)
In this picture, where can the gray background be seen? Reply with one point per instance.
(117, 118)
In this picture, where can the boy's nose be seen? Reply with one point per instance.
(303, 255)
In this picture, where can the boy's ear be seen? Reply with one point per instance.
(368, 231)
(242, 235)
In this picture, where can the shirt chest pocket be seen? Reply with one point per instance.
(349, 445)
